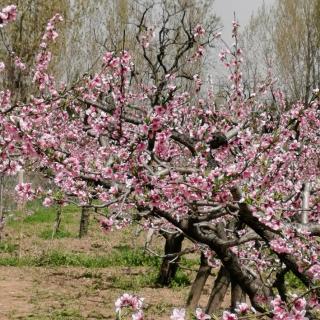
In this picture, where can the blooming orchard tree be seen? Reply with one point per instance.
(240, 180)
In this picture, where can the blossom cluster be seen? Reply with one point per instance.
(279, 310)
(176, 158)
(8, 14)
(130, 301)
(135, 303)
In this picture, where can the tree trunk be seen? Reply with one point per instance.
(57, 221)
(198, 283)
(237, 295)
(84, 222)
(219, 291)
(21, 205)
(1, 207)
(1, 198)
(168, 268)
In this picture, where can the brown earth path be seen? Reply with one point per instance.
(40, 293)
(15, 297)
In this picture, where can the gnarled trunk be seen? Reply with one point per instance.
(1, 207)
(198, 283)
(84, 222)
(218, 291)
(168, 267)
(237, 295)
(57, 221)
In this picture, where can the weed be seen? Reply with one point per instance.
(64, 314)
(181, 279)
(124, 258)
(134, 282)
(8, 247)
(47, 234)
(293, 282)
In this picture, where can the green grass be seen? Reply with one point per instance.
(293, 282)
(122, 256)
(8, 247)
(129, 282)
(125, 258)
(64, 314)
(181, 279)
(47, 234)
(38, 221)
(39, 215)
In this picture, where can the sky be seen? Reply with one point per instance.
(243, 9)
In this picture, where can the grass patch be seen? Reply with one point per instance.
(181, 279)
(293, 282)
(125, 258)
(148, 279)
(14, 261)
(64, 314)
(7, 247)
(47, 234)
(39, 214)
(189, 262)
(134, 282)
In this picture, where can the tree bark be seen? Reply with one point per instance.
(21, 205)
(253, 287)
(1, 198)
(57, 222)
(198, 283)
(218, 291)
(168, 268)
(84, 222)
(1, 207)
(237, 295)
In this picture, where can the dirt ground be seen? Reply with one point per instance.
(76, 293)
(51, 289)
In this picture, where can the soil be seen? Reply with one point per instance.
(78, 293)
(15, 287)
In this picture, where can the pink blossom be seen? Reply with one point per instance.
(12, 168)
(314, 301)
(107, 223)
(280, 246)
(197, 81)
(242, 308)
(300, 304)
(198, 31)
(129, 300)
(314, 271)
(51, 34)
(19, 64)
(107, 57)
(138, 315)
(8, 14)
(25, 192)
(229, 316)
(146, 37)
(199, 53)
(178, 314)
(201, 315)
(47, 202)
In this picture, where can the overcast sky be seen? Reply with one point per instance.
(243, 9)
